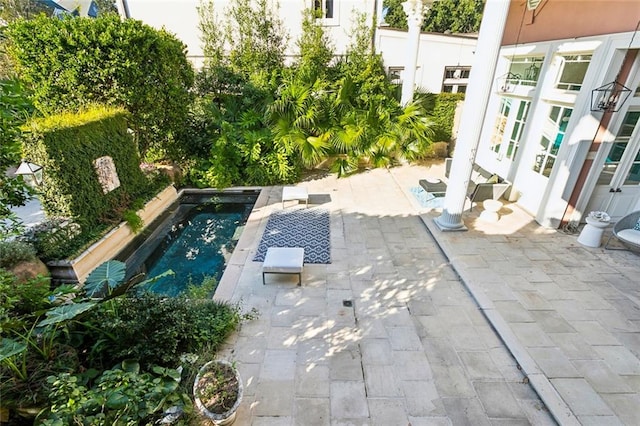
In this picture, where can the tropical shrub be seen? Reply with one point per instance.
(124, 395)
(353, 119)
(72, 63)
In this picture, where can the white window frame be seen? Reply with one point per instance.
(458, 80)
(332, 21)
(569, 59)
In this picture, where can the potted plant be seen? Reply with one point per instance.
(217, 391)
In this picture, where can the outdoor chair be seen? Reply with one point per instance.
(625, 230)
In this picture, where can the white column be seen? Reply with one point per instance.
(415, 10)
(477, 97)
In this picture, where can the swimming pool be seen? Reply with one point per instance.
(194, 239)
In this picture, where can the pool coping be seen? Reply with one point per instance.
(231, 275)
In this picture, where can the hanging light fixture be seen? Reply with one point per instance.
(507, 82)
(31, 173)
(611, 96)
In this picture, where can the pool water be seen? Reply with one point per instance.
(195, 243)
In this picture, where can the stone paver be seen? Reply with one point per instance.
(414, 347)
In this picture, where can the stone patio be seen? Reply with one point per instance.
(508, 323)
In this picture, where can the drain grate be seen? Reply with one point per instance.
(347, 303)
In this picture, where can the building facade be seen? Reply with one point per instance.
(566, 150)
(443, 61)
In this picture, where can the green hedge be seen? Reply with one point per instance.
(66, 145)
(73, 63)
(444, 113)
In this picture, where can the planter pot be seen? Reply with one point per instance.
(216, 381)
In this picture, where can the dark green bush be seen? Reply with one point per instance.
(444, 114)
(156, 330)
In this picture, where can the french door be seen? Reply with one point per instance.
(618, 187)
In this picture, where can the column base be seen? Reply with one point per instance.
(447, 222)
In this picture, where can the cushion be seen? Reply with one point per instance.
(630, 235)
(286, 260)
(493, 179)
(637, 226)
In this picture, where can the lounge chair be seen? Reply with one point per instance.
(624, 231)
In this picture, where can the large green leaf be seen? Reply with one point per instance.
(105, 277)
(9, 348)
(65, 312)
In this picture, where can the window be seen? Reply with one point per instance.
(612, 162)
(500, 124)
(455, 79)
(518, 126)
(552, 137)
(525, 71)
(323, 8)
(574, 68)
(395, 75)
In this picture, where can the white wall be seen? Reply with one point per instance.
(180, 17)
(435, 52)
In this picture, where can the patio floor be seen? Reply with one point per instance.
(508, 323)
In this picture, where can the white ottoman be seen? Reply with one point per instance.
(295, 193)
(283, 260)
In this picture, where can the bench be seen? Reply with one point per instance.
(295, 193)
(483, 185)
(283, 260)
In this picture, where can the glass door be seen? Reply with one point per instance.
(618, 187)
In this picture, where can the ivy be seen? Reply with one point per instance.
(66, 145)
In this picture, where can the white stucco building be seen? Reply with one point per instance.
(443, 59)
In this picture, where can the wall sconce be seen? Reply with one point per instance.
(31, 173)
(610, 97)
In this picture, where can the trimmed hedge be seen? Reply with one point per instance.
(444, 114)
(66, 145)
(73, 63)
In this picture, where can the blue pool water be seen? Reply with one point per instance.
(196, 242)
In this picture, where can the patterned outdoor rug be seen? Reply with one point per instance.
(426, 199)
(306, 228)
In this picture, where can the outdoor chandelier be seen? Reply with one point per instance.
(506, 82)
(610, 97)
(31, 173)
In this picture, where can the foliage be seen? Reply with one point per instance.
(204, 290)
(444, 113)
(156, 330)
(72, 63)
(133, 219)
(315, 48)
(352, 119)
(456, 16)
(71, 187)
(124, 395)
(231, 143)
(14, 252)
(257, 39)
(14, 110)
(56, 237)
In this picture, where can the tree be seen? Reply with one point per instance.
(71, 63)
(456, 16)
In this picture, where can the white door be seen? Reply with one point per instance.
(507, 133)
(618, 187)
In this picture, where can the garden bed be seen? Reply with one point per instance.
(76, 270)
